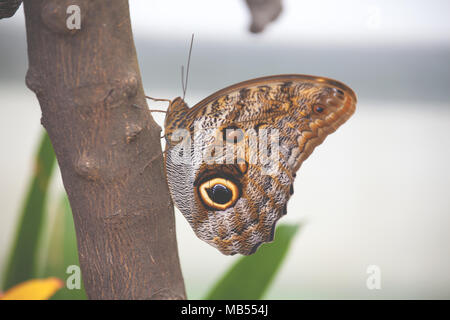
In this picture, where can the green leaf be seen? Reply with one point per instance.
(23, 257)
(62, 252)
(251, 275)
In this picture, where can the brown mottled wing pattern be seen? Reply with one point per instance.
(304, 109)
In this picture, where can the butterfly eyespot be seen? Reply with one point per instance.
(319, 108)
(219, 193)
(233, 134)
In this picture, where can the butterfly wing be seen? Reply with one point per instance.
(233, 199)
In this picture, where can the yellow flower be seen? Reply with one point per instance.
(36, 289)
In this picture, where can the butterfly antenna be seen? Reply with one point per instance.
(184, 81)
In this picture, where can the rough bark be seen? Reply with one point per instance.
(87, 81)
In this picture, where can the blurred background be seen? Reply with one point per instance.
(375, 193)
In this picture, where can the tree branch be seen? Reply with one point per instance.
(109, 152)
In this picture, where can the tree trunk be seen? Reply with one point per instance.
(108, 147)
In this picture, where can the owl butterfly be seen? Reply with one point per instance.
(231, 159)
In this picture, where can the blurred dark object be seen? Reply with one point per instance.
(120, 201)
(263, 12)
(8, 8)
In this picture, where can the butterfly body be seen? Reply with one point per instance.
(231, 190)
